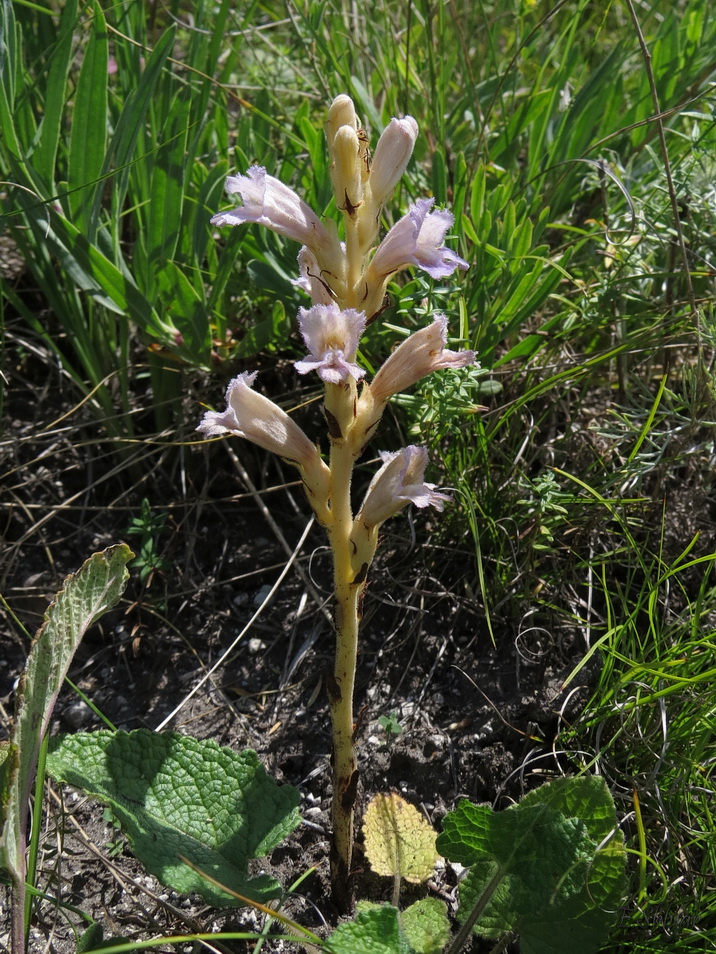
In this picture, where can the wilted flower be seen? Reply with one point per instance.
(271, 203)
(391, 157)
(416, 239)
(417, 356)
(332, 337)
(400, 481)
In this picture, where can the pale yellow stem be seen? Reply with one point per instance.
(354, 263)
(341, 688)
(340, 406)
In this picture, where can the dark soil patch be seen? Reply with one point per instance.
(477, 720)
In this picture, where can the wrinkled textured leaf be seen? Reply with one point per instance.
(398, 839)
(558, 860)
(84, 597)
(426, 926)
(183, 798)
(375, 930)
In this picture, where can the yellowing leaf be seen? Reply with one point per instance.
(398, 840)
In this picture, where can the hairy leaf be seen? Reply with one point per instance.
(550, 868)
(189, 807)
(398, 839)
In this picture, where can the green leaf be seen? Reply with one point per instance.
(84, 597)
(184, 802)
(93, 939)
(132, 120)
(10, 58)
(44, 156)
(375, 930)
(167, 185)
(551, 867)
(188, 313)
(426, 926)
(94, 272)
(88, 136)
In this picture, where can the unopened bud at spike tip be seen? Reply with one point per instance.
(391, 157)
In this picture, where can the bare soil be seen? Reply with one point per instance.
(477, 719)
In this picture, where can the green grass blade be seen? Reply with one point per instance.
(46, 152)
(168, 187)
(88, 136)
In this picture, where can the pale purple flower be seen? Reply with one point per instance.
(311, 280)
(400, 481)
(417, 356)
(391, 157)
(251, 415)
(332, 338)
(269, 202)
(416, 239)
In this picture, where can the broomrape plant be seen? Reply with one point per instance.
(346, 281)
(550, 868)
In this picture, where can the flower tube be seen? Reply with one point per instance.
(400, 481)
(250, 415)
(417, 356)
(416, 239)
(269, 202)
(391, 157)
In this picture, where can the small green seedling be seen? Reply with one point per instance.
(391, 726)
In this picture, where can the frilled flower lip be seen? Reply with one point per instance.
(417, 239)
(332, 338)
(401, 480)
(417, 356)
(269, 202)
(250, 415)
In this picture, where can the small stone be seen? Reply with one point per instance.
(77, 714)
(261, 595)
(256, 645)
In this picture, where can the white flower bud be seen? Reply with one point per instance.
(346, 170)
(391, 157)
(340, 113)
